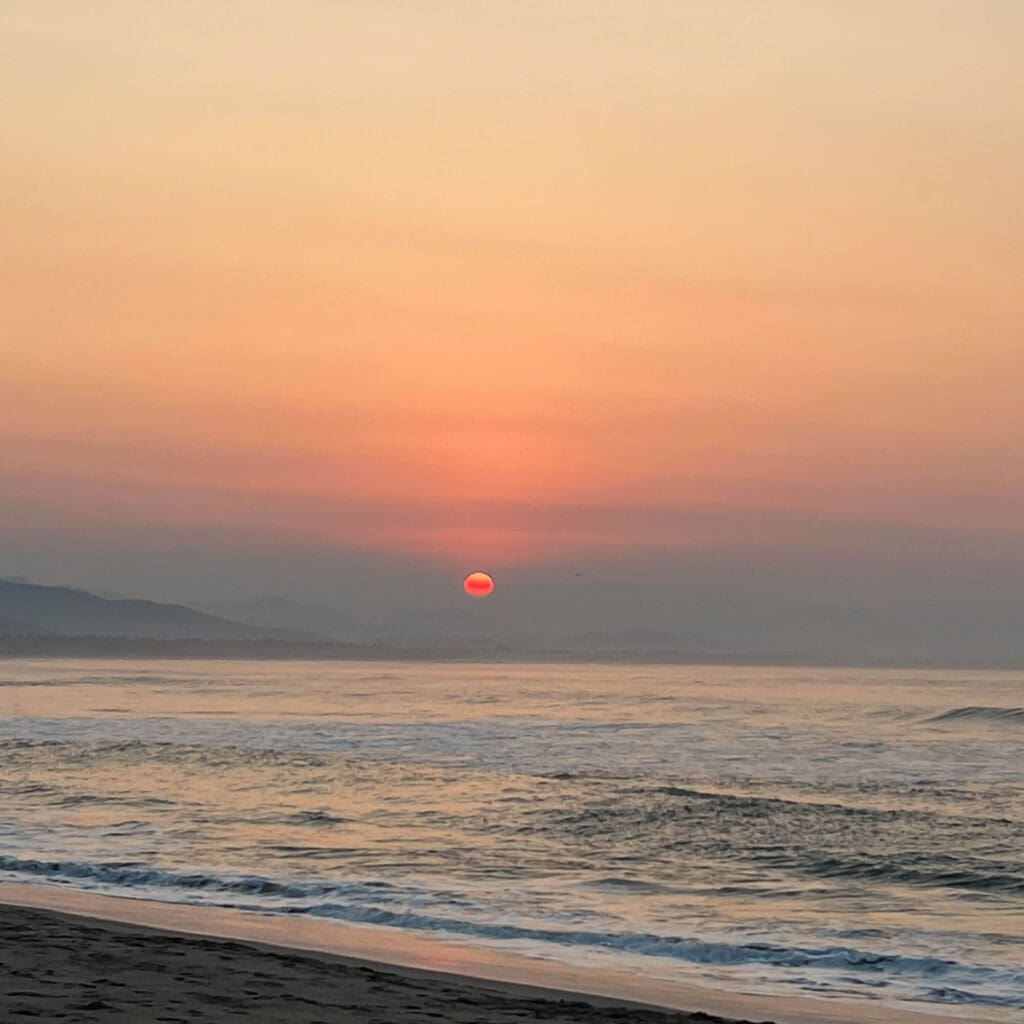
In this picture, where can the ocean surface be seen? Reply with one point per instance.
(842, 833)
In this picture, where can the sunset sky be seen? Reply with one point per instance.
(392, 291)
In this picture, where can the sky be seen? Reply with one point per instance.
(716, 305)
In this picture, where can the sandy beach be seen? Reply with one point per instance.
(57, 967)
(79, 957)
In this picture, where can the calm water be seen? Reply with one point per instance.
(843, 833)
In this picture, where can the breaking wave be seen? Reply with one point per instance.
(383, 903)
(996, 716)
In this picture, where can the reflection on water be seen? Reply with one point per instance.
(842, 832)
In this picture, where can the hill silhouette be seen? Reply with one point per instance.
(31, 609)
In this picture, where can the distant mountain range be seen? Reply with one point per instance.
(57, 613)
(30, 609)
(55, 620)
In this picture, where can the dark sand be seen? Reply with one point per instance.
(57, 967)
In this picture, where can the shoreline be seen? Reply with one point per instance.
(87, 648)
(389, 960)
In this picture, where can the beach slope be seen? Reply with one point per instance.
(58, 967)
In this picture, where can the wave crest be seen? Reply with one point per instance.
(978, 713)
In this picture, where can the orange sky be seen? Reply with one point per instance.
(491, 282)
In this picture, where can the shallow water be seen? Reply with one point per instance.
(843, 833)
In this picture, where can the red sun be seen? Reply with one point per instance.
(478, 584)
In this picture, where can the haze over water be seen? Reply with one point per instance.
(848, 834)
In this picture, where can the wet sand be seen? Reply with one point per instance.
(57, 967)
(73, 956)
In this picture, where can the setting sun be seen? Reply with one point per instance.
(478, 584)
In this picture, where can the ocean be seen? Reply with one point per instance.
(841, 833)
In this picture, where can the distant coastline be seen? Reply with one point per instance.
(268, 649)
(41, 620)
